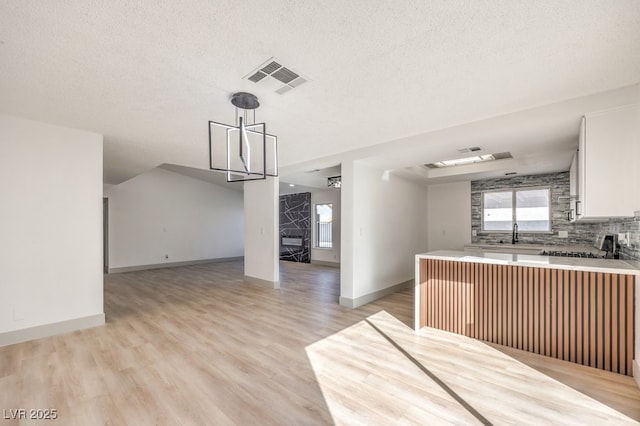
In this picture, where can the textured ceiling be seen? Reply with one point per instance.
(150, 74)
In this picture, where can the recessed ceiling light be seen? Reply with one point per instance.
(291, 185)
(470, 149)
(469, 160)
(465, 160)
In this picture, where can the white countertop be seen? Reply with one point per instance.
(507, 247)
(612, 266)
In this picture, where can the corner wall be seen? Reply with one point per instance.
(161, 217)
(51, 227)
(384, 225)
(261, 238)
(449, 212)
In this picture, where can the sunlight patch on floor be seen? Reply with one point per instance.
(365, 378)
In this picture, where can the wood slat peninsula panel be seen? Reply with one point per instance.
(576, 316)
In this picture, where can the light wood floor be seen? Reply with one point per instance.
(197, 345)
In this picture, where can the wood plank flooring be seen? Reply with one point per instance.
(198, 345)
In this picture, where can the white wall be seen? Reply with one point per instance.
(449, 212)
(160, 213)
(50, 225)
(384, 225)
(347, 233)
(261, 224)
(327, 196)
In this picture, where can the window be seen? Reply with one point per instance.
(323, 225)
(529, 208)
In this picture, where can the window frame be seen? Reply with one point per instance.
(514, 191)
(316, 223)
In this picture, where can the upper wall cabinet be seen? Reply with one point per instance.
(636, 155)
(607, 164)
(573, 188)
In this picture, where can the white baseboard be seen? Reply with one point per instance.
(172, 264)
(47, 330)
(260, 281)
(368, 298)
(325, 263)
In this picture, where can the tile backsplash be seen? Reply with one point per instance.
(578, 233)
(630, 225)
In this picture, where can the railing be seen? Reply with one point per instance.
(323, 236)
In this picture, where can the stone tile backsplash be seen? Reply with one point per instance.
(630, 225)
(579, 233)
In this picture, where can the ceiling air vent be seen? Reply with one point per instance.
(281, 78)
(284, 89)
(257, 76)
(284, 75)
(271, 67)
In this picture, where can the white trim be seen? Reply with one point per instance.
(260, 281)
(47, 330)
(325, 263)
(636, 372)
(172, 264)
(368, 298)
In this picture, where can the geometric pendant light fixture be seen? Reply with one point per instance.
(244, 151)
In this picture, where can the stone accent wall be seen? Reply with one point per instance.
(579, 233)
(295, 221)
(630, 225)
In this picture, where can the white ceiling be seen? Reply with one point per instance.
(149, 75)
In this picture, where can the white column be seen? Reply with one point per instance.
(347, 235)
(261, 245)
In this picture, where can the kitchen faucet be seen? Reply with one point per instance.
(514, 234)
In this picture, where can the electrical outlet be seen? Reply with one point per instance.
(563, 234)
(474, 233)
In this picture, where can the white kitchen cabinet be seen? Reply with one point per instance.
(606, 164)
(636, 155)
(573, 188)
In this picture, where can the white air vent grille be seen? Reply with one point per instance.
(284, 89)
(284, 75)
(257, 76)
(284, 78)
(271, 67)
(297, 82)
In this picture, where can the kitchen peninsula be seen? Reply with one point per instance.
(574, 309)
